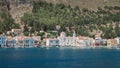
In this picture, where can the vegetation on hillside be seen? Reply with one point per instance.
(47, 15)
(6, 23)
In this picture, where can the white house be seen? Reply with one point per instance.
(16, 31)
(52, 42)
(67, 41)
(118, 40)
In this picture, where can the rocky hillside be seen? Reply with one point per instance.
(16, 8)
(91, 4)
(4, 6)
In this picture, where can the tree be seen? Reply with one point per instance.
(47, 15)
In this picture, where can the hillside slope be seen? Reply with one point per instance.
(45, 16)
(91, 4)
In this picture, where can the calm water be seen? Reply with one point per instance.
(59, 58)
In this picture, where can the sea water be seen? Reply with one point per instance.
(59, 58)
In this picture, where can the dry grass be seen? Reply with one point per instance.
(90, 4)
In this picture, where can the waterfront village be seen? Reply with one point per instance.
(21, 41)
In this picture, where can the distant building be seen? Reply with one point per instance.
(3, 41)
(97, 40)
(92, 42)
(112, 42)
(103, 42)
(16, 32)
(83, 41)
(118, 40)
(37, 40)
(28, 42)
(52, 42)
(20, 40)
(87, 42)
(67, 41)
(12, 43)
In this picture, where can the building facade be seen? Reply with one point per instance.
(112, 42)
(16, 32)
(118, 40)
(67, 41)
(12, 43)
(52, 42)
(3, 41)
(37, 40)
(28, 42)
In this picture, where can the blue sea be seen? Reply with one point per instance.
(59, 58)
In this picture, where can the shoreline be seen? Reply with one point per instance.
(68, 47)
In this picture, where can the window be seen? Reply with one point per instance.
(2, 41)
(51, 41)
(27, 41)
(57, 41)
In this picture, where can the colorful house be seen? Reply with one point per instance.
(97, 40)
(12, 43)
(112, 42)
(3, 40)
(80, 41)
(103, 42)
(28, 42)
(20, 40)
(37, 40)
